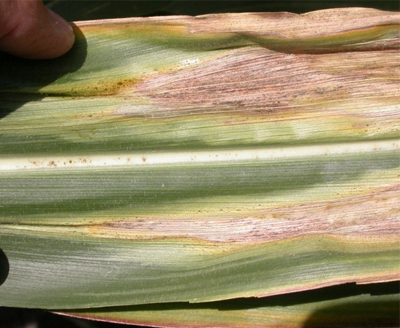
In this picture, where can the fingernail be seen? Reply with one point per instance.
(62, 23)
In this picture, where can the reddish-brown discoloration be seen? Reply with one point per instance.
(374, 215)
(260, 81)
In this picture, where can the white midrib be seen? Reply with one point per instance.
(198, 157)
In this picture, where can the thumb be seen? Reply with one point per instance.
(28, 29)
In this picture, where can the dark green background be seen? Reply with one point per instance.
(74, 10)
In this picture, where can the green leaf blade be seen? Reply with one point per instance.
(198, 160)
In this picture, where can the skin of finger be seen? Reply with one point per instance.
(27, 29)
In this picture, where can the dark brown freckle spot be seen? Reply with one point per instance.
(144, 159)
(119, 83)
(70, 162)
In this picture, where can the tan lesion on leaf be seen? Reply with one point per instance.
(253, 81)
(374, 215)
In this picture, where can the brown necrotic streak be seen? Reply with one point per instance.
(255, 80)
(373, 215)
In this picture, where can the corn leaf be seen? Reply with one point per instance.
(196, 159)
(357, 306)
